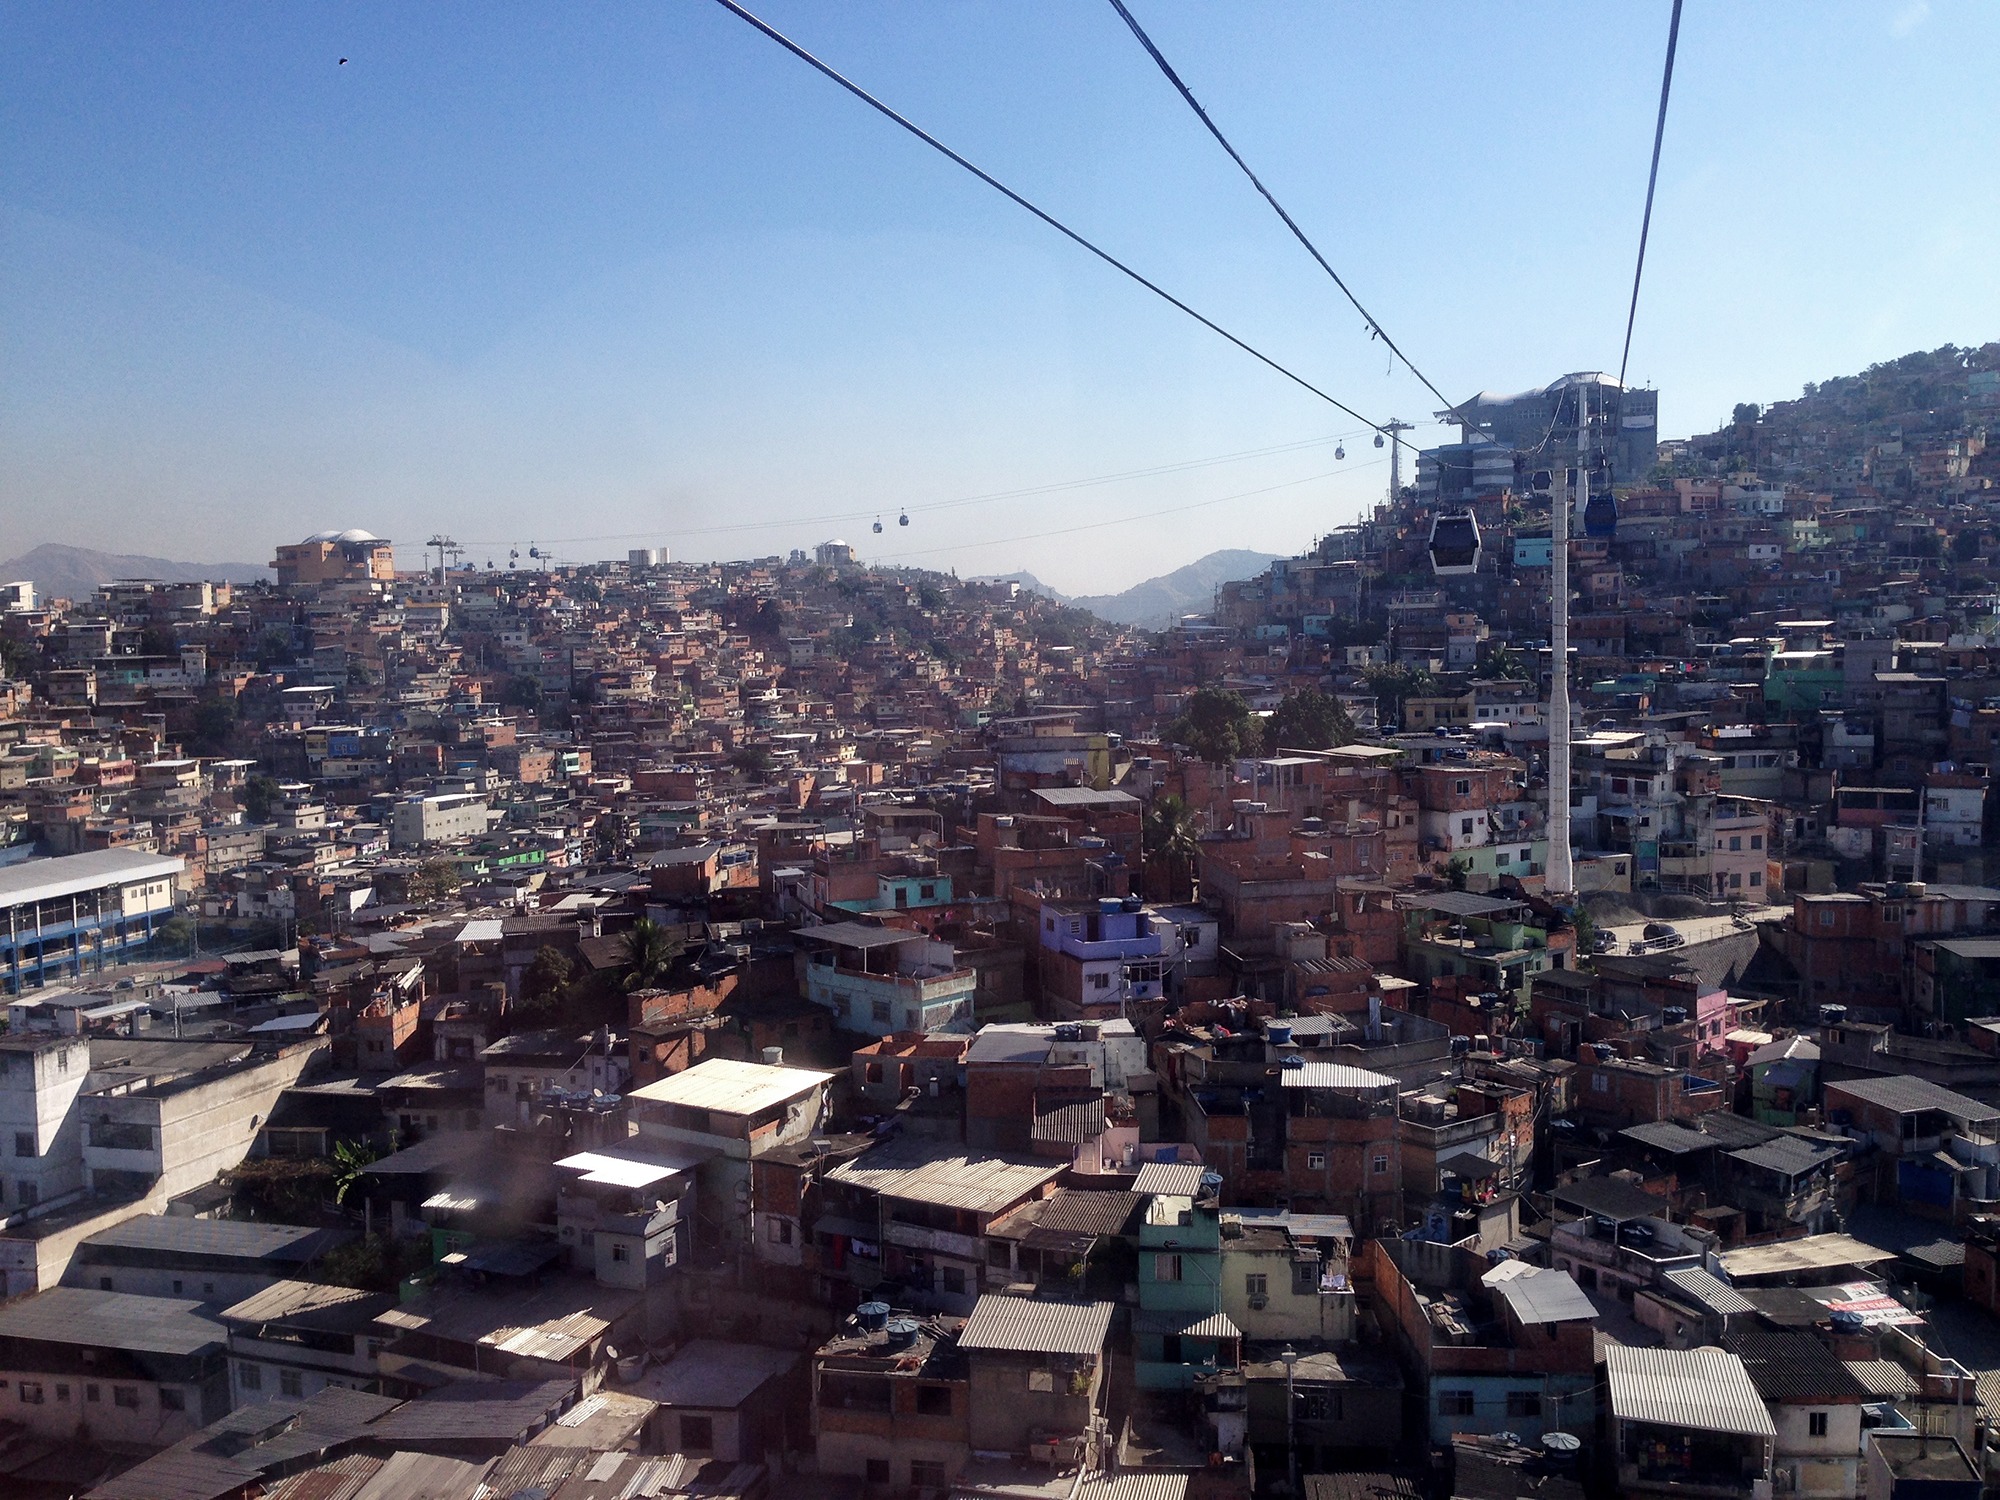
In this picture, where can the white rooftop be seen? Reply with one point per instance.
(736, 1088)
(73, 874)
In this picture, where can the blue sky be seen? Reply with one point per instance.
(629, 274)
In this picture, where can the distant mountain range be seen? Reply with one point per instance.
(61, 572)
(1158, 602)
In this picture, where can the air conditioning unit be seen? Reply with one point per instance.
(1258, 1304)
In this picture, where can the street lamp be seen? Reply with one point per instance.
(1291, 1358)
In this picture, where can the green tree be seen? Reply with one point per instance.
(214, 726)
(1394, 682)
(434, 880)
(260, 794)
(548, 973)
(274, 647)
(156, 640)
(176, 934)
(1309, 720)
(751, 760)
(650, 952)
(1218, 726)
(522, 691)
(1455, 870)
(18, 660)
(1170, 838)
(289, 1189)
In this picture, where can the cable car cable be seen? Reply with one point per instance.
(1043, 214)
(1652, 177)
(1375, 327)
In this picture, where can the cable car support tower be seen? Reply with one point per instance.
(1560, 879)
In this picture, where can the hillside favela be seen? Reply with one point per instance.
(1451, 956)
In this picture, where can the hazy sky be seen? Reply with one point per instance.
(560, 274)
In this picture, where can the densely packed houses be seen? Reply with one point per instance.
(651, 1028)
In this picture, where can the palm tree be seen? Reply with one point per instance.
(350, 1160)
(1171, 837)
(649, 954)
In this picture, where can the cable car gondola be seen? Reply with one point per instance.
(1454, 546)
(1339, 452)
(1600, 511)
(903, 519)
(878, 525)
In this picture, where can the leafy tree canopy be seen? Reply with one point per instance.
(1309, 720)
(1218, 726)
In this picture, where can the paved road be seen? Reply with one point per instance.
(1696, 929)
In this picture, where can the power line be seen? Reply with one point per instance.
(1375, 328)
(1172, 510)
(925, 507)
(1046, 217)
(1652, 177)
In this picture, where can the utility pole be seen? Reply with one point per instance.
(1560, 878)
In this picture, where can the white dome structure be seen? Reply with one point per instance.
(352, 534)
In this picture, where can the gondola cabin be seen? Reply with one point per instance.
(1454, 546)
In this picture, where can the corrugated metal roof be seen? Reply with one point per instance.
(1326, 1075)
(533, 1465)
(337, 1479)
(1188, 1324)
(242, 1238)
(1665, 1135)
(1154, 1486)
(731, 1087)
(1030, 1326)
(918, 1172)
(1788, 1155)
(1882, 1377)
(492, 1411)
(1179, 1179)
(1079, 1211)
(1070, 1124)
(1547, 1297)
(1792, 1364)
(1083, 796)
(112, 1320)
(422, 1476)
(1713, 1293)
(1706, 1389)
(1904, 1093)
